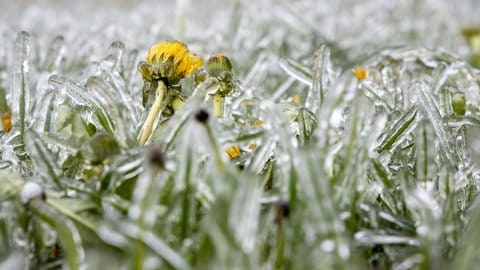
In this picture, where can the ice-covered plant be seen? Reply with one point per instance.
(330, 144)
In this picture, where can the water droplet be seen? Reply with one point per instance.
(344, 251)
(19, 237)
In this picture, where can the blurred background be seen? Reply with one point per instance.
(354, 25)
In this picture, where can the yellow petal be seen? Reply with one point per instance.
(361, 73)
(184, 61)
(257, 123)
(296, 99)
(7, 121)
(233, 151)
(188, 64)
(162, 51)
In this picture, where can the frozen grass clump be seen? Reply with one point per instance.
(278, 136)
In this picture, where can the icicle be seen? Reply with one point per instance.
(20, 91)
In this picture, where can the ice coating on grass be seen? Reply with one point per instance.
(20, 89)
(361, 171)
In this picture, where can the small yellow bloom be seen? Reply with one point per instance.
(361, 73)
(7, 121)
(252, 146)
(296, 99)
(233, 151)
(257, 123)
(173, 60)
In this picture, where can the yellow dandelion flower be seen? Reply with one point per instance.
(174, 60)
(257, 123)
(7, 121)
(361, 73)
(252, 146)
(165, 65)
(233, 151)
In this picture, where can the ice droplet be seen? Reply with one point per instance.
(20, 90)
(327, 245)
(19, 237)
(343, 251)
(55, 54)
(30, 191)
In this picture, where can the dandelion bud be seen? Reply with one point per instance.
(30, 191)
(218, 64)
(459, 105)
(220, 67)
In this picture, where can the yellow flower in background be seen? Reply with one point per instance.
(233, 151)
(296, 99)
(172, 60)
(257, 123)
(7, 121)
(361, 73)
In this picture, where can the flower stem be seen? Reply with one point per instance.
(218, 105)
(152, 114)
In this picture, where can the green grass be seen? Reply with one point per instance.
(343, 173)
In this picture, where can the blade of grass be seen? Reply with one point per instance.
(66, 231)
(83, 97)
(43, 159)
(398, 132)
(21, 83)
